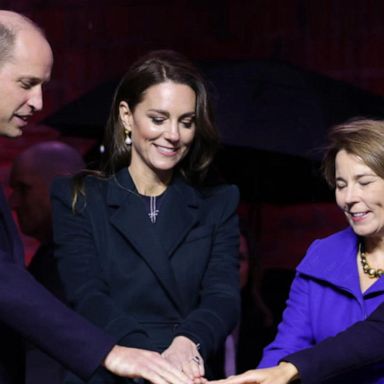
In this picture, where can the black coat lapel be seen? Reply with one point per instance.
(178, 215)
(131, 219)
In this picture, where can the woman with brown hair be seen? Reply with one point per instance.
(144, 249)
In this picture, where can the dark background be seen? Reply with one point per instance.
(96, 40)
(342, 40)
(307, 64)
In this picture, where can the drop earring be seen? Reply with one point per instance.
(128, 139)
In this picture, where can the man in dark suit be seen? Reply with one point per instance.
(26, 308)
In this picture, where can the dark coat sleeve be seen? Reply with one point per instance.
(33, 312)
(219, 309)
(358, 346)
(83, 276)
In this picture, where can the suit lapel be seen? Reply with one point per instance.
(131, 219)
(10, 241)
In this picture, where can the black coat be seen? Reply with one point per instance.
(146, 283)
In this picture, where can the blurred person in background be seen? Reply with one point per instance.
(30, 180)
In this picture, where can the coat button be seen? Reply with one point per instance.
(175, 326)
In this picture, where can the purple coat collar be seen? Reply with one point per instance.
(333, 260)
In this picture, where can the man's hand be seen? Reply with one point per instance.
(184, 355)
(284, 373)
(133, 363)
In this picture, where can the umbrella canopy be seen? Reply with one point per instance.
(87, 115)
(278, 107)
(273, 118)
(268, 105)
(273, 177)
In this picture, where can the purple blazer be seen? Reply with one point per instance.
(30, 310)
(325, 299)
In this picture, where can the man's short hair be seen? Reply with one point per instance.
(7, 42)
(8, 33)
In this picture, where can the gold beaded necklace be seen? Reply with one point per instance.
(367, 269)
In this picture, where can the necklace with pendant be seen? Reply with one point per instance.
(152, 203)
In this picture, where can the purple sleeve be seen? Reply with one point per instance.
(294, 331)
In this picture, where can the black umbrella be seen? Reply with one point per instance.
(278, 107)
(266, 176)
(85, 116)
(267, 105)
(273, 118)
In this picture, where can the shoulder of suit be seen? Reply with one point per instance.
(221, 190)
(65, 183)
(93, 181)
(63, 189)
(219, 197)
(61, 185)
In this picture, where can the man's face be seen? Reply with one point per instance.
(30, 200)
(21, 80)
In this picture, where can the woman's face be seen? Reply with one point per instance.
(360, 194)
(162, 127)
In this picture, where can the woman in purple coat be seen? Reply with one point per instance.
(339, 282)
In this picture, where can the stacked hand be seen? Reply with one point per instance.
(284, 373)
(132, 363)
(181, 363)
(183, 354)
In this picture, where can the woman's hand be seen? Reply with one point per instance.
(284, 373)
(184, 355)
(133, 363)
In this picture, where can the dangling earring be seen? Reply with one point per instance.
(128, 139)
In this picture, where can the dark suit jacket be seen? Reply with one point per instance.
(44, 269)
(358, 346)
(147, 283)
(40, 368)
(31, 311)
